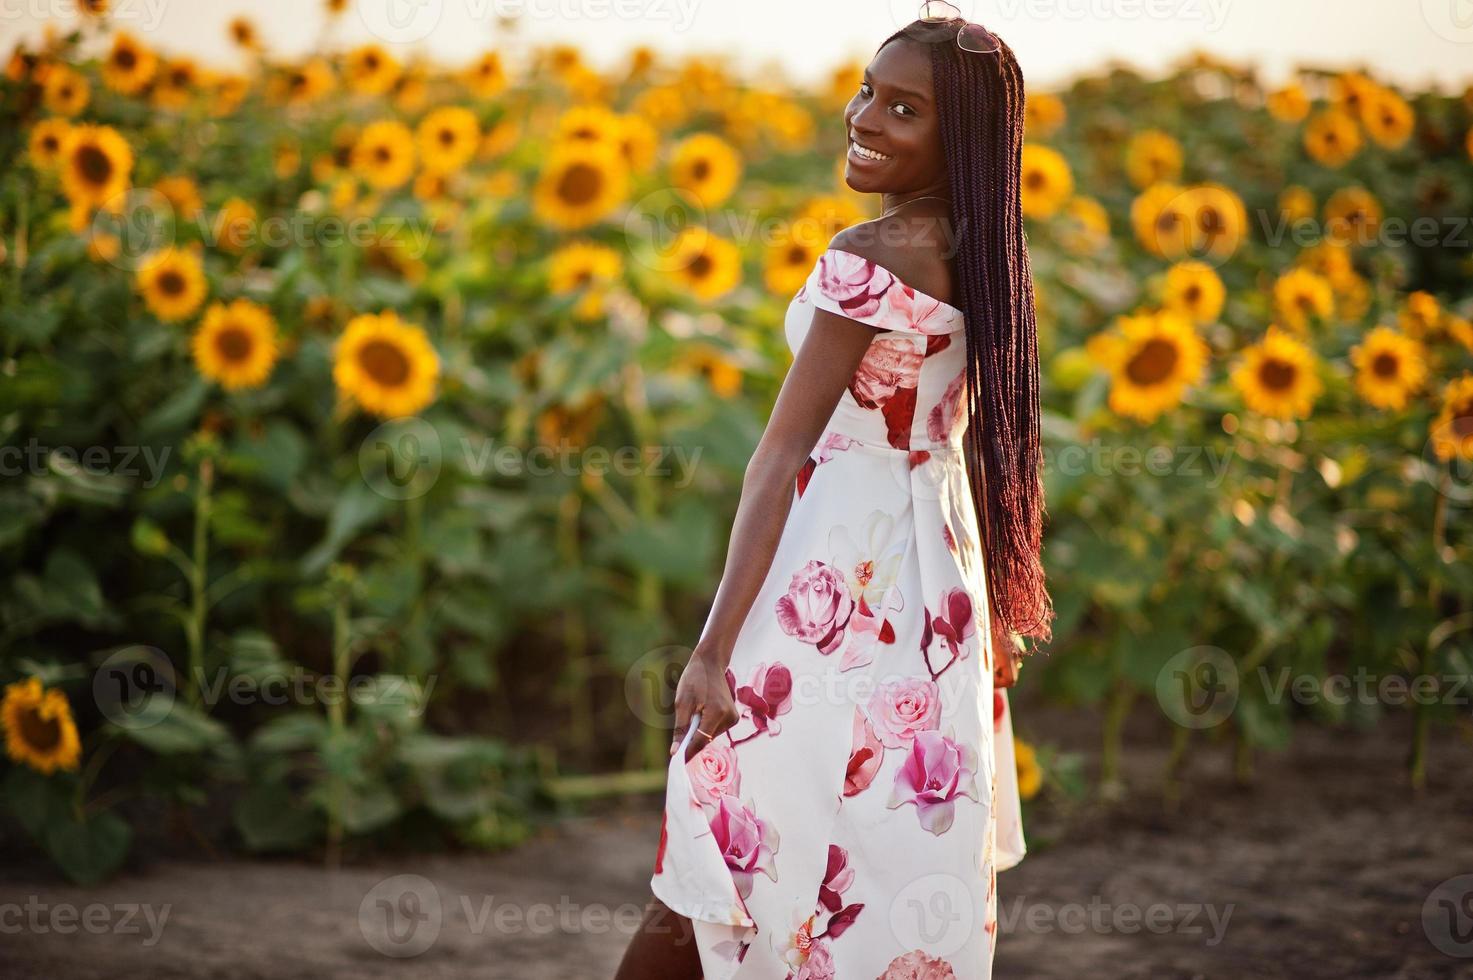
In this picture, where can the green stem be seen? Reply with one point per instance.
(1116, 711)
(337, 719)
(648, 588)
(1417, 763)
(198, 572)
(580, 665)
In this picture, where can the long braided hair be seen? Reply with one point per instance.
(980, 101)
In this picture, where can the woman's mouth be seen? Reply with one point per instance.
(860, 152)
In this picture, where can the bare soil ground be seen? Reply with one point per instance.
(1322, 868)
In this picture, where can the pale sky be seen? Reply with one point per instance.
(1412, 41)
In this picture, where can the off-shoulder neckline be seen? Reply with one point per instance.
(918, 292)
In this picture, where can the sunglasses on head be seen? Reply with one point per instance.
(972, 38)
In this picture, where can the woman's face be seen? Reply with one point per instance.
(894, 114)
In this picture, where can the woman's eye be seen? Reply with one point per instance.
(908, 109)
(864, 88)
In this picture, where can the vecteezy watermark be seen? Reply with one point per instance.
(403, 458)
(1451, 20)
(1102, 459)
(1364, 687)
(37, 459)
(935, 912)
(136, 15)
(95, 918)
(403, 916)
(1449, 231)
(1447, 916)
(1211, 13)
(1102, 917)
(1198, 687)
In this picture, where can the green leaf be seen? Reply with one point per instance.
(182, 730)
(90, 850)
(290, 733)
(270, 819)
(357, 506)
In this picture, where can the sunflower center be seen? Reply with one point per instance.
(1035, 180)
(1192, 294)
(701, 169)
(125, 58)
(382, 153)
(1462, 421)
(1277, 375)
(579, 184)
(384, 362)
(797, 254)
(447, 137)
(1153, 363)
(171, 282)
(95, 165)
(1385, 365)
(700, 266)
(234, 344)
(41, 734)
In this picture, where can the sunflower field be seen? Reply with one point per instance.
(371, 427)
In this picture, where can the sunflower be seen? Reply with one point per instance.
(1288, 104)
(1352, 216)
(39, 730)
(1152, 157)
(1043, 113)
(383, 154)
(1030, 774)
(639, 141)
(448, 138)
(1278, 376)
(1388, 118)
(1152, 360)
(412, 90)
(1351, 91)
(1163, 224)
(1086, 225)
(235, 344)
(1046, 181)
(1219, 215)
(789, 125)
(370, 70)
(1296, 203)
(234, 226)
(172, 282)
(96, 163)
(591, 122)
(1330, 259)
(499, 137)
(581, 264)
(129, 65)
(243, 33)
(1301, 295)
(1421, 316)
(824, 216)
(704, 263)
(1452, 430)
(1332, 137)
(706, 166)
(65, 92)
(486, 77)
(1194, 290)
(386, 365)
(714, 365)
(182, 194)
(788, 263)
(1389, 368)
(176, 83)
(94, 8)
(303, 84)
(46, 141)
(227, 92)
(665, 106)
(582, 183)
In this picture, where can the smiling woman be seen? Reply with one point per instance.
(843, 751)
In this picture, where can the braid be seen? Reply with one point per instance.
(981, 99)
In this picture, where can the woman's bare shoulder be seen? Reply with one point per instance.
(912, 247)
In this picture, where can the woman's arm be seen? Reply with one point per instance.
(826, 362)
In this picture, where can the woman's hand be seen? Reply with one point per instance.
(703, 688)
(1006, 655)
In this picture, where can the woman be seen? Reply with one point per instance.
(842, 789)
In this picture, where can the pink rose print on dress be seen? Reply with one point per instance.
(891, 366)
(902, 708)
(947, 417)
(817, 606)
(818, 966)
(747, 843)
(922, 313)
(838, 876)
(937, 770)
(714, 774)
(954, 624)
(856, 284)
(917, 965)
(864, 757)
(871, 565)
(832, 444)
(768, 695)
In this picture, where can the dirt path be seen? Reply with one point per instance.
(1323, 869)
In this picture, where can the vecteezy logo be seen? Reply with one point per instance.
(1198, 688)
(401, 916)
(649, 684)
(935, 912)
(1447, 916)
(400, 21)
(1451, 20)
(401, 458)
(134, 687)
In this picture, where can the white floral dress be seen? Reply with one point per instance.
(852, 824)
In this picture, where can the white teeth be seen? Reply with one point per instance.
(866, 152)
